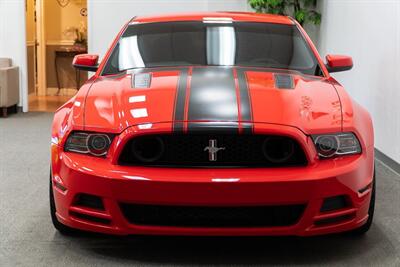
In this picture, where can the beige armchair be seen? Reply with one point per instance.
(9, 85)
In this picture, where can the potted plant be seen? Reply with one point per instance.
(304, 11)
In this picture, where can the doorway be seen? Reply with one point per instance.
(56, 31)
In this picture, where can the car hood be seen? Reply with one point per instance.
(213, 96)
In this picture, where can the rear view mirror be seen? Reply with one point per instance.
(336, 63)
(86, 62)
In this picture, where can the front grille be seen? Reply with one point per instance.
(190, 150)
(194, 216)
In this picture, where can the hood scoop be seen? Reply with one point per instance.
(284, 81)
(141, 80)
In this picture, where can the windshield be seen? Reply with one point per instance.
(217, 44)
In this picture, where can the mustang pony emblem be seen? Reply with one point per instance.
(213, 149)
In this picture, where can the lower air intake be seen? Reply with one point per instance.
(194, 216)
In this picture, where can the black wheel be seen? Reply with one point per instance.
(63, 229)
(365, 227)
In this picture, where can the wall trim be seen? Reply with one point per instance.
(392, 164)
(59, 42)
(41, 49)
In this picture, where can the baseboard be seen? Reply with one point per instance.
(63, 91)
(394, 165)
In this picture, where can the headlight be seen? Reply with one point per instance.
(329, 145)
(96, 144)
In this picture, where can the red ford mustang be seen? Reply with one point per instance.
(212, 124)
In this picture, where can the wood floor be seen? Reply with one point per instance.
(46, 103)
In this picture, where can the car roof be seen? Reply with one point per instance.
(234, 16)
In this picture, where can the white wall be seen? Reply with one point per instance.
(106, 17)
(369, 31)
(12, 41)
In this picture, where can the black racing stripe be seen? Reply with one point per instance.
(179, 112)
(212, 127)
(212, 98)
(245, 102)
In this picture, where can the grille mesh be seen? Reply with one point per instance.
(187, 150)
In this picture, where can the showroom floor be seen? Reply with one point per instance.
(27, 237)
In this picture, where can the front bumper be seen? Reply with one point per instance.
(350, 176)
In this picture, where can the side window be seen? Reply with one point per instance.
(112, 66)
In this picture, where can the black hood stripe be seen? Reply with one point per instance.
(213, 98)
(214, 127)
(245, 102)
(179, 111)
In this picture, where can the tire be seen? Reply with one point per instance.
(63, 229)
(365, 227)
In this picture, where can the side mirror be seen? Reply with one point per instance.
(86, 62)
(336, 63)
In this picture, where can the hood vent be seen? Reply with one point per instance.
(141, 80)
(284, 81)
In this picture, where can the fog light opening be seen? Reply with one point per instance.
(89, 201)
(335, 203)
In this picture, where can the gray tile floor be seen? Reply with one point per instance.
(27, 237)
